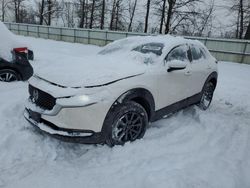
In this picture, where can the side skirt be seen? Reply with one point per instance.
(159, 114)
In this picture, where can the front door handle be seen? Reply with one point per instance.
(188, 73)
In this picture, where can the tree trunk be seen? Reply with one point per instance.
(81, 25)
(238, 25)
(18, 11)
(147, 16)
(247, 36)
(41, 13)
(92, 15)
(3, 10)
(171, 4)
(162, 15)
(16, 14)
(132, 17)
(241, 20)
(117, 14)
(86, 14)
(112, 15)
(49, 11)
(103, 14)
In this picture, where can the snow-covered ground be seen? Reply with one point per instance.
(192, 148)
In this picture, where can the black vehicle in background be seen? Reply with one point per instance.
(19, 68)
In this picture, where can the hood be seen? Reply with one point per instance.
(90, 71)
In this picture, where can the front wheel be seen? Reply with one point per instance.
(127, 123)
(8, 75)
(207, 96)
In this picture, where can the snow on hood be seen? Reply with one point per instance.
(116, 61)
(8, 41)
(91, 70)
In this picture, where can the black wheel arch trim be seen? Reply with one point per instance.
(138, 95)
(213, 78)
(141, 96)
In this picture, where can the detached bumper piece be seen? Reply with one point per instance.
(67, 135)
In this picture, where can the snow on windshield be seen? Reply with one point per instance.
(116, 46)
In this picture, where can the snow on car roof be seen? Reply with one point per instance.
(130, 43)
(8, 42)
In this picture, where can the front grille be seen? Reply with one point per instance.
(41, 98)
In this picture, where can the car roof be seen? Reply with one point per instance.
(129, 43)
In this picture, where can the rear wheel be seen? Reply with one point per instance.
(207, 96)
(8, 75)
(127, 123)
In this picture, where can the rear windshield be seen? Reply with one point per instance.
(155, 48)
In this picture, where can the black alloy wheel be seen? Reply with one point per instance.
(128, 122)
(7, 75)
(128, 127)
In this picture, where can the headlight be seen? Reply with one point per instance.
(84, 100)
(76, 101)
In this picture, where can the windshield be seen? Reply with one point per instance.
(155, 48)
(116, 46)
(130, 45)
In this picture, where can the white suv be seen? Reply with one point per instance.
(111, 97)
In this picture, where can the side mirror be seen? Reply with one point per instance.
(176, 65)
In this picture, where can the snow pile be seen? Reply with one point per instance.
(8, 41)
(192, 148)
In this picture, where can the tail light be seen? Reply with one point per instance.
(20, 55)
(21, 50)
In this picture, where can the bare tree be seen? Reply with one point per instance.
(82, 13)
(103, 14)
(17, 4)
(132, 9)
(171, 4)
(4, 6)
(247, 36)
(241, 19)
(92, 14)
(241, 8)
(41, 12)
(147, 16)
(68, 13)
(163, 10)
(49, 11)
(206, 16)
(117, 14)
(112, 15)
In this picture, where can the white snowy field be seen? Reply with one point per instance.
(192, 148)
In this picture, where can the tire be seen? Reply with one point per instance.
(207, 96)
(125, 123)
(8, 75)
